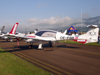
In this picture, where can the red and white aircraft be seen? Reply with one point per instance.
(7, 36)
(51, 35)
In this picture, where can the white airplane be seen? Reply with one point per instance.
(51, 35)
(6, 36)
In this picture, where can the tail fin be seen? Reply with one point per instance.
(65, 32)
(90, 36)
(2, 30)
(13, 30)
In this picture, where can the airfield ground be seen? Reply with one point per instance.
(61, 59)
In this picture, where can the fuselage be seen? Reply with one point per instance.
(48, 35)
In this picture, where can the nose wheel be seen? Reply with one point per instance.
(30, 46)
(11, 40)
(40, 46)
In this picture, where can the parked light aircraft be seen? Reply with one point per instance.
(51, 35)
(12, 32)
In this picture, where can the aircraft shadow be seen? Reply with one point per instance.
(64, 46)
(20, 48)
(35, 47)
(3, 41)
(6, 41)
(15, 48)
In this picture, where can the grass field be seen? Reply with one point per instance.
(13, 65)
(70, 41)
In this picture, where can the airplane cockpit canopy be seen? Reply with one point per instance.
(16, 33)
(46, 33)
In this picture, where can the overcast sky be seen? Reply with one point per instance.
(44, 14)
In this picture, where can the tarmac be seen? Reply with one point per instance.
(61, 59)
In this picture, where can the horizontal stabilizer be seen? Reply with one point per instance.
(92, 26)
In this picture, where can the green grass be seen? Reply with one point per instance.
(93, 44)
(13, 65)
(71, 41)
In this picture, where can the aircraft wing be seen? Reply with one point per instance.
(13, 35)
(37, 38)
(2, 35)
(9, 35)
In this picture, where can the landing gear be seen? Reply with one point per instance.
(30, 46)
(50, 44)
(11, 40)
(40, 46)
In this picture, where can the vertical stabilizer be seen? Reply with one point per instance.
(13, 30)
(90, 36)
(65, 32)
(2, 30)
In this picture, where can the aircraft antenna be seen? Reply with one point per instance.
(63, 22)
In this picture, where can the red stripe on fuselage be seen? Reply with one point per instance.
(32, 36)
(80, 41)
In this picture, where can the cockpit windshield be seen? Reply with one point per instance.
(46, 33)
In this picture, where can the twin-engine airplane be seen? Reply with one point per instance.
(51, 35)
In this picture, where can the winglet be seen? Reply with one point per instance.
(13, 30)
